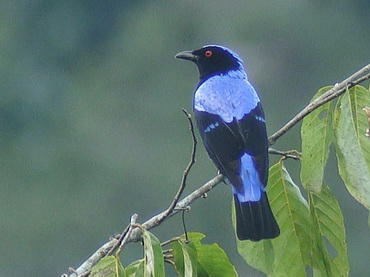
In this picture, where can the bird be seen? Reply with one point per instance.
(231, 123)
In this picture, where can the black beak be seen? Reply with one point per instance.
(187, 55)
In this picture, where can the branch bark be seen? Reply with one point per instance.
(175, 207)
(149, 224)
(337, 90)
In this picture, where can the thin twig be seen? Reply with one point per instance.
(170, 241)
(187, 169)
(291, 154)
(170, 262)
(166, 251)
(127, 235)
(177, 196)
(122, 235)
(183, 223)
(337, 90)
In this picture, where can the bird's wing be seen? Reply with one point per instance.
(253, 130)
(223, 144)
(230, 133)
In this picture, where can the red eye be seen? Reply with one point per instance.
(208, 53)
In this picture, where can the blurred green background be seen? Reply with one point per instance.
(91, 129)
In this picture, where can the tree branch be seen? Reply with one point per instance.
(130, 234)
(337, 90)
(149, 224)
(175, 206)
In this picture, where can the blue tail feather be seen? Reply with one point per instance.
(252, 187)
(255, 220)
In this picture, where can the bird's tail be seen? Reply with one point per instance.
(254, 219)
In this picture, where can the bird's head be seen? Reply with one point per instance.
(212, 60)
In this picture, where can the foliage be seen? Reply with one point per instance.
(313, 238)
(312, 231)
(352, 145)
(346, 126)
(109, 266)
(191, 258)
(306, 227)
(317, 135)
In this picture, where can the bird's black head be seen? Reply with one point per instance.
(212, 60)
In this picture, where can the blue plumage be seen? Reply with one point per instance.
(226, 96)
(252, 187)
(231, 123)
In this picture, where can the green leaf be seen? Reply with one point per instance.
(317, 136)
(213, 261)
(153, 261)
(329, 238)
(178, 258)
(109, 266)
(135, 269)
(311, 235)
(260, 254)
(288, 254)
(352, 145)
(292, 248)
(185, 258)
